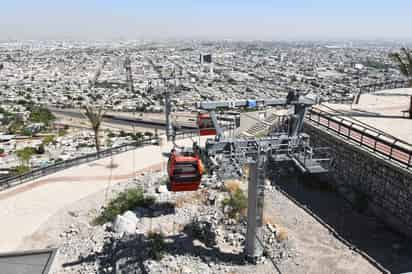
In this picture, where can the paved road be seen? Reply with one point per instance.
(24, 208)
(123, 119)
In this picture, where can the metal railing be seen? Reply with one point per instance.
(377, 141)
(383, 85)
(338, 100)
(8, 182)
(370, 88)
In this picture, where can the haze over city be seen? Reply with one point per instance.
(205, 136)
(212, 19)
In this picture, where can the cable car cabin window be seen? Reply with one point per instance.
(185, 168)
(186, 172)
(205, 123)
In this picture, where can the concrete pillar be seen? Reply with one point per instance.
(254, 249)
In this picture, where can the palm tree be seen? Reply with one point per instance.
(405, 66)
(95, 116)
(404, 63)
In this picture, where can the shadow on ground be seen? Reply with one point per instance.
(127, 254)
(361, 229)
(157, 209)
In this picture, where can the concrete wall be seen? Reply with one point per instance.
(385, 187)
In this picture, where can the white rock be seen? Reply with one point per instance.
(131, 216)
(161, 189)
(271, 228)
(124, 225)
(186, 270)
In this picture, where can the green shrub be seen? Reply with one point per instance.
(16, 126)
(25, 155)
(237, 203)
(156, 245)
(21, 169)
(41, 115)
(27, 132)
(48, 140)
(62, 132)
(127, 200)
(202, 231)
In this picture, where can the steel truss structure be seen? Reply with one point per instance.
(227, 156)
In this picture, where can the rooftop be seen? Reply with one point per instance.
(381, 110)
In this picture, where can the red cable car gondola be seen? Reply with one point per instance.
(205, 124)
(185, 171)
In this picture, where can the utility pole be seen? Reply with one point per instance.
(168, 112)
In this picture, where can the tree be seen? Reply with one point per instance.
(148, 134)
(41, 115)
(25, 155)
(48, 140)
(404, 63)
(95, 118)
(405, 66)
(16, 126)
(19, 170)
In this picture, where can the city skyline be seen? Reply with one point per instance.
(243, 20)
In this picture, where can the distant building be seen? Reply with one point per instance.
(206, 58)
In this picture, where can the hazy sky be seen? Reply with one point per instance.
(236, 19)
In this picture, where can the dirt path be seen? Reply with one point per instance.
(24, 208)
(75, 180)
(319, 251)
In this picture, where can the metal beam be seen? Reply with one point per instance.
(219, 131)
(252, 103)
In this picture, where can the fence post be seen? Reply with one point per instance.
(350, 130)
(390, 153)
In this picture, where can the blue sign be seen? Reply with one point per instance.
(251, 103)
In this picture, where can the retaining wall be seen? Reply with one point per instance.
(385, 187)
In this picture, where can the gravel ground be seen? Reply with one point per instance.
(294, 240)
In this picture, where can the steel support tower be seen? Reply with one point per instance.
(228, 156)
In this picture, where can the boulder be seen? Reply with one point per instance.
(131, 216)
(124, 225)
